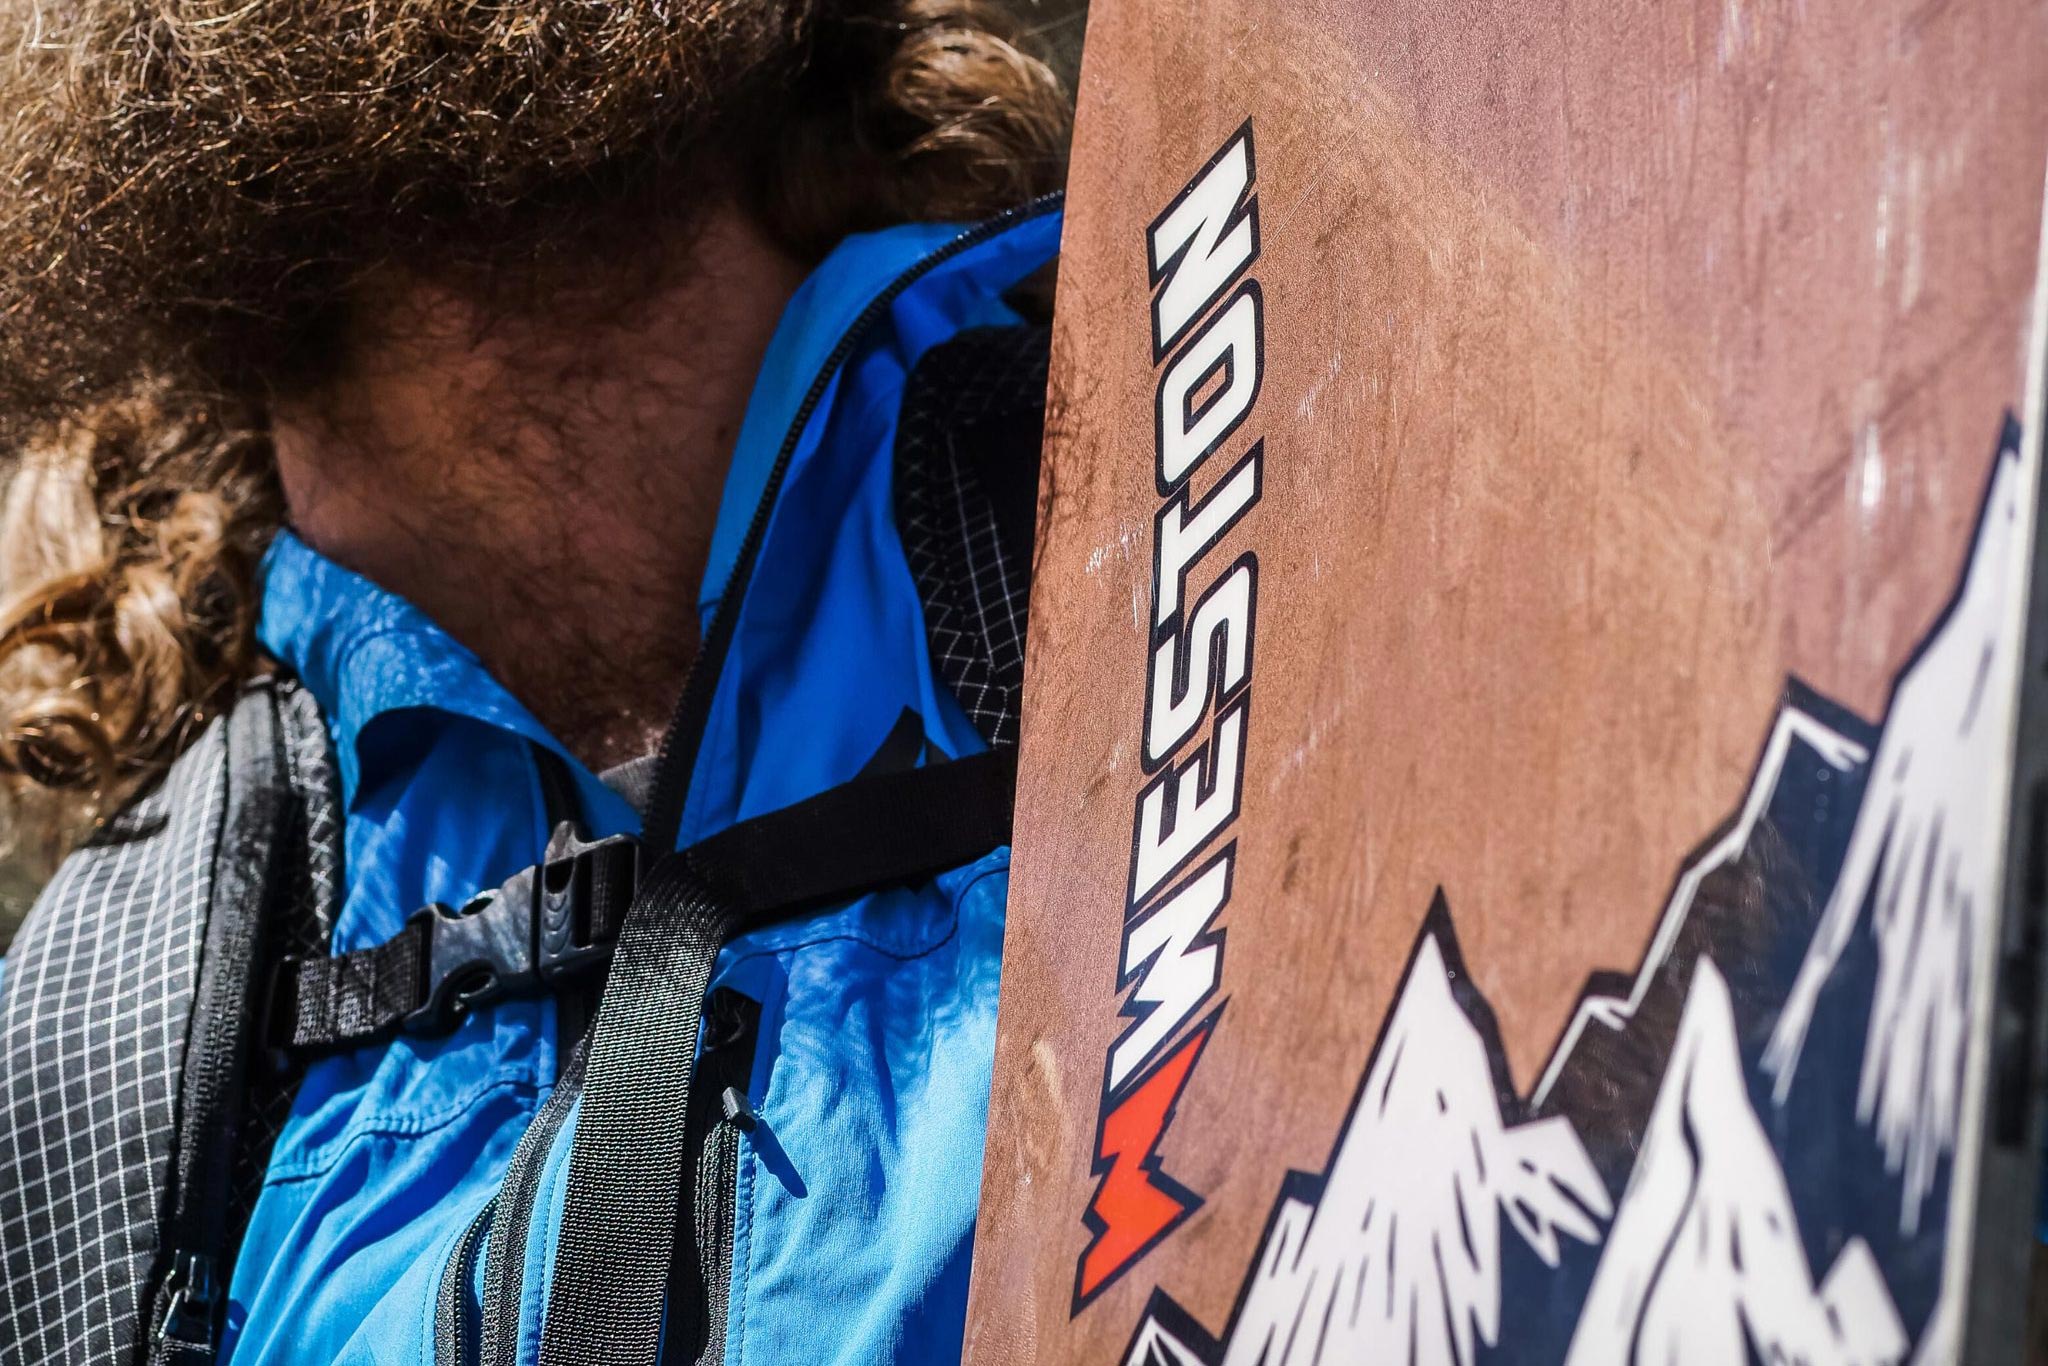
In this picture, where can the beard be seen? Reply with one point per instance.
(193, 188)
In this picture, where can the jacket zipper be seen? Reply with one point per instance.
(720, 1113)
(455, 1338)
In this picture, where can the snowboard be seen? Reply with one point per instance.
(1528, 829)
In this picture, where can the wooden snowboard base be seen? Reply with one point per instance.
(1531, 735)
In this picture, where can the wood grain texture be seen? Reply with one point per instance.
(1621, 360)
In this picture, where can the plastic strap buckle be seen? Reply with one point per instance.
(583, 894)
(553, 920)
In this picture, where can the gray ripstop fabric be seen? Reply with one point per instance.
(95, 1015)
(966, 456)
(303, 927)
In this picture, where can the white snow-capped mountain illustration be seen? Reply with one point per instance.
(1704, 1263)
(1795, 1044)
(1925, 858)
(1399, 1257)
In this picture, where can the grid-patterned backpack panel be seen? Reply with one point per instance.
(96, 1006)
(967, 447)
(94, 1011)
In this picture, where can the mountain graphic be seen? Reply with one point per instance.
(1923, 864)
(1920, 884)
(1395, 1252)
(1704, 1262)
(1778, 1088)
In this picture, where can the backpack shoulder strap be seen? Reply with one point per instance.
(966, 466)
(122, 1102)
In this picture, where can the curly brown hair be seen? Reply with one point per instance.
(193, 189)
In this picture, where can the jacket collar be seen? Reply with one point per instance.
(366, 654)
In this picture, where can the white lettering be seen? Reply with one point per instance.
(1205, 792)
(1179, 539)
(1228, 340)
(1177, 964)
(1203, 241)
(1177, 704)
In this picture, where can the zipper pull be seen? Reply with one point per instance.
(739, 1112)
(191, 1317)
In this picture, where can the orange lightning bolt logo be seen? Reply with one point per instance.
(1135, 1204)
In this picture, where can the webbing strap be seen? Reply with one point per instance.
(250, 865)
(627, 1177)
(878, 829)
(544, 925)
(349, 998)
(629, 1182)
(552, 922)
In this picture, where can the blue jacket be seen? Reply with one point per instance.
(857, 1191)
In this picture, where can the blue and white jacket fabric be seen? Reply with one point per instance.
(856, 1192)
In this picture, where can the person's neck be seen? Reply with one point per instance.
(546, 490)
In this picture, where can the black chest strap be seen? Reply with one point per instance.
(618, 1257)
(558, 921)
